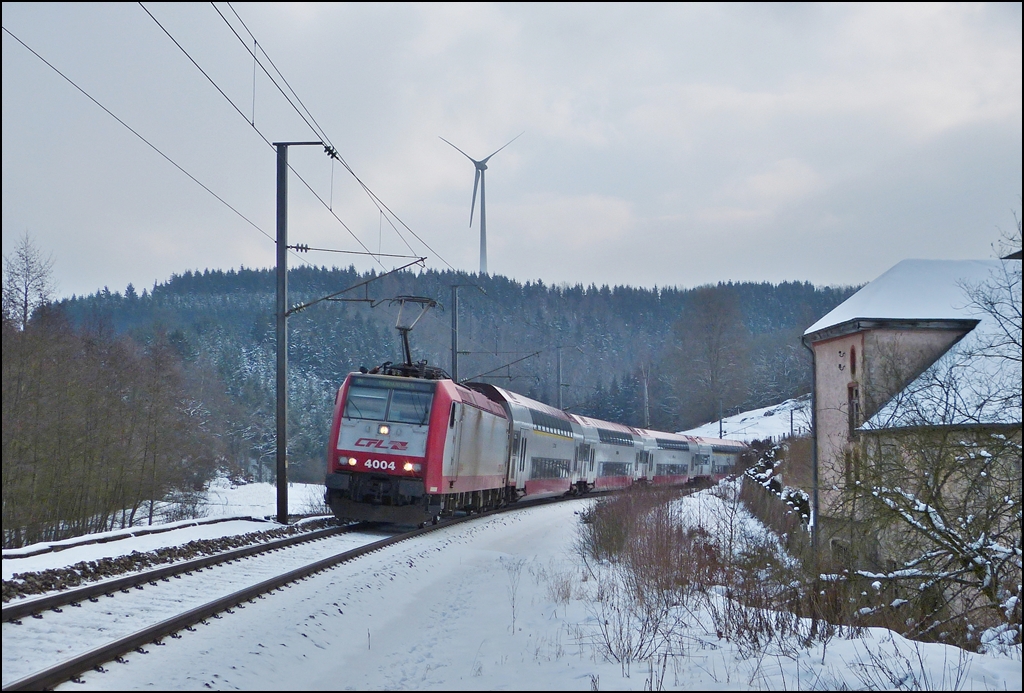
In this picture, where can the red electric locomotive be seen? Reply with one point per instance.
(408, 445)
(407, 449)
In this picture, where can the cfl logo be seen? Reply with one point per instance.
(378, 444)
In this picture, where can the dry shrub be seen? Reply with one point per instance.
(610, 521)
(657, 567)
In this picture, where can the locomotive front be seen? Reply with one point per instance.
(379, 448)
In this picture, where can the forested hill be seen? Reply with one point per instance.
(699, 350)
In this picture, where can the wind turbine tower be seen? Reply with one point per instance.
(478, 182)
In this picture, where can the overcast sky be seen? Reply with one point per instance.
(662, 145)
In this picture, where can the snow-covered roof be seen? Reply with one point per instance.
(971, 384)
(913, 290)
(978, 380)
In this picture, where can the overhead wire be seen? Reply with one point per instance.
(303, 248)
(140, 136)
(259, 132)
(320, 132)
(313, 126)
(483, 351)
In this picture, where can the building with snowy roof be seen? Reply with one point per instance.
(922, 348)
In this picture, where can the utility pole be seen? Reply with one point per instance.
(455, 333)
(646, 373)
(558, 371)
(559, 375)
(282, 326)
(455, 327)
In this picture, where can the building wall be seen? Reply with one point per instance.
(855, 375)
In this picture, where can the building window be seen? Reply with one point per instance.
(853, 362)
(853, 406)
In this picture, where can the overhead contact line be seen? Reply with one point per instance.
(137, 134)
(315, 127)
(266, 140)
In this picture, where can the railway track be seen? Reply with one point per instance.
(70, 669)
(148, 599)
(37, 605)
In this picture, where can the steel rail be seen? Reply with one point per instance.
(27, 607)
(70, 669)
(93, 659)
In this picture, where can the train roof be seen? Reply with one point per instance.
(501, 395)
(598, 423)
(496, 393)
(472, 397)
(719, 442)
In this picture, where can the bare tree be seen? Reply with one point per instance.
(712, 353)
(999, 297)
(27, 283)
(940, 481)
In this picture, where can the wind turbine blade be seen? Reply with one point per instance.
(457, 149)
(503, 146)
(476, 181)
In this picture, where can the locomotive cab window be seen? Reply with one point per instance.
(385, 400)
(366, 403)
(410, 407)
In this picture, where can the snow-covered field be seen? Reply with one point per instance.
(775, 422)
(505, 603)
(224, 499)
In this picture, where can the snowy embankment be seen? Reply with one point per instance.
(224, 500)
(506, 602)
(776, 422)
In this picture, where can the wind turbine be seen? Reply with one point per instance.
(481, 166)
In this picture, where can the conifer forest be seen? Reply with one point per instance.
(189, 366)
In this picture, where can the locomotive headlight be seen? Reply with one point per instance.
(408, 466)
(383, 429)
(352, 461)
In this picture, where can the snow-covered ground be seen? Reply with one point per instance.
(775, 422)
(224, 500)
(502, 603)
(38, 643)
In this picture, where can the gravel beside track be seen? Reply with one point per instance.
(102, 620)
(42, 582)
(136, 617)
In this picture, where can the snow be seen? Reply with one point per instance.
(760, 424)
(969, 383)
(436, 612)
(915, 290)
(964, 386)
(978, 380)
(38, 643)
(223, 500)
